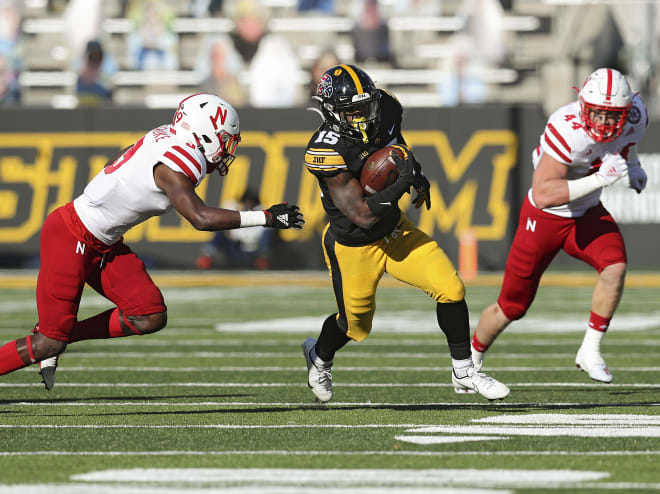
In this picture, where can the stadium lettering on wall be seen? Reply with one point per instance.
(35, 180)
(479, 175)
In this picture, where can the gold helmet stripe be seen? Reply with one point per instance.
(356, 79)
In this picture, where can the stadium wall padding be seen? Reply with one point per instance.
(477, 158)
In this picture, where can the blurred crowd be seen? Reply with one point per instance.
(248, 65)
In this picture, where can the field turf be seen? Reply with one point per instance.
(218, 401)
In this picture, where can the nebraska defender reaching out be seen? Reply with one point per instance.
(587, 145)
(82, 242)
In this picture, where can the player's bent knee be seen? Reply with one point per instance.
(358, 332)
(454, 292)
(151, 323)
(616, 271)
(512, 310)
(44, 347)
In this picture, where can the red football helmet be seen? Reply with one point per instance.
(605, 97)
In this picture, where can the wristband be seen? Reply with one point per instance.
(381, 203)
(252, 218)
(583, 186)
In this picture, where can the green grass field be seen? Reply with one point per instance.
(218, 401)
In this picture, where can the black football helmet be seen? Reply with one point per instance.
(349, 102)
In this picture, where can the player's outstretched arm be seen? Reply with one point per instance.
(181, 192)
(284, 216)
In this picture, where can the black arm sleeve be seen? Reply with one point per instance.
(381, 203)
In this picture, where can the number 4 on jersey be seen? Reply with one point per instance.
(575, 125)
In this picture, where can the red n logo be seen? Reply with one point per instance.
(221, 115)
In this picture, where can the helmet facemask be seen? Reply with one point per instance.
(603, 131)
(224, 155)
(356, 120)
(605, 98)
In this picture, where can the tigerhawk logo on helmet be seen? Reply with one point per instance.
(349, 102)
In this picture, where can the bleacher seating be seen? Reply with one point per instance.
(420, 44)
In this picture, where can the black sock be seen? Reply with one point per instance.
(331, 339)
(454, 321)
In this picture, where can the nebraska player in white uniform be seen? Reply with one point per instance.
(82, 241)
(586, 145)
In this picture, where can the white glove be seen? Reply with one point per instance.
(636, 178)
(613, 168)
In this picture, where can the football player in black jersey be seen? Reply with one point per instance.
(368, 236)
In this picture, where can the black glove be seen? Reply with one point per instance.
(405, 165)
(422, 192)
(410, 171)
(283, 216)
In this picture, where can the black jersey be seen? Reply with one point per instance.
(329, 153)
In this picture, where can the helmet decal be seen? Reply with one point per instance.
(634, 115)
(338, 71)
(219, 114)
(325, 86)
(354, 76)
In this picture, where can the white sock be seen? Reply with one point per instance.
(461, 366)
(592, 339)
(317, 361)
(477, 357)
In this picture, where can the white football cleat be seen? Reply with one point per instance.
(47, 369)
(593, 364)
(477, 381)
(319, 378)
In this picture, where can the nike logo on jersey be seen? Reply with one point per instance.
(385, 203)
(391, 130)
(283, 218)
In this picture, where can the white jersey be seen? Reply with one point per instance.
(125, 193)
(565, 140)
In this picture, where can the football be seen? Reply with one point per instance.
(379, 170)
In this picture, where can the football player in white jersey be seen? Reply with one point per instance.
(586, 145)
(82, 242)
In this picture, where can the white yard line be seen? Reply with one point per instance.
(332, 404)
(479, 452)
(341, 385)
(142, 355)
(542, 431)
(250, 488)
(212, 426)
(64, 368)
